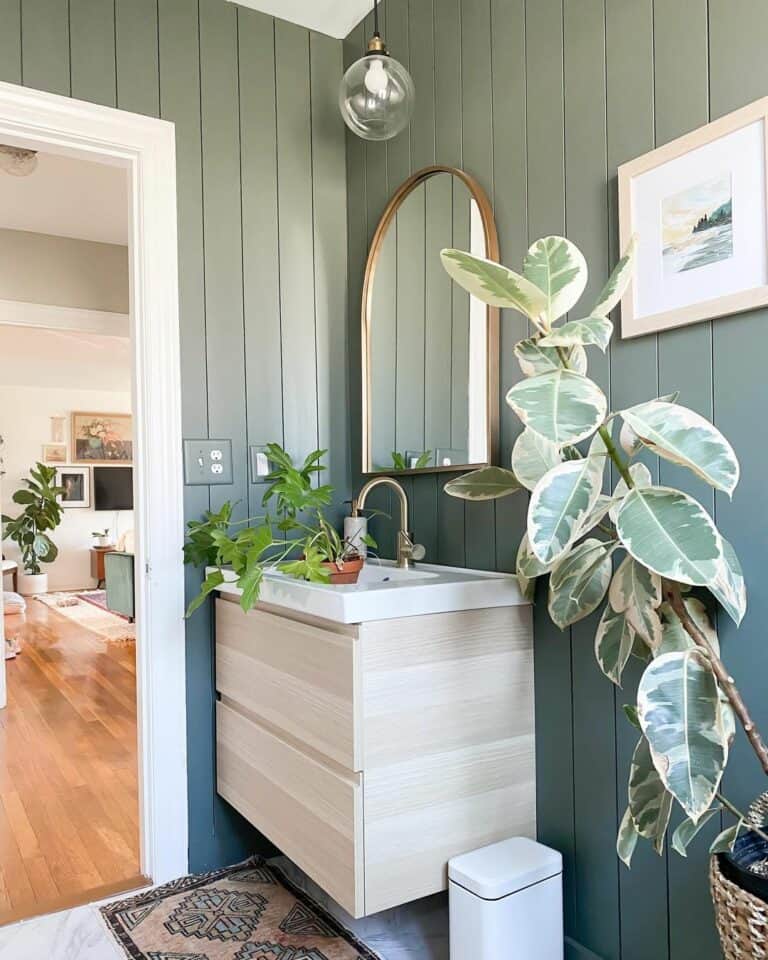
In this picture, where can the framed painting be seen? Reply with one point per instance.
(54, 453)
(76, 482)
(699, 209)
(102, 437)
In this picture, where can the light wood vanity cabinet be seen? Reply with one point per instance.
(372, 753)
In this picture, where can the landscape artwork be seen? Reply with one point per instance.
(102, 437)
(697, 226)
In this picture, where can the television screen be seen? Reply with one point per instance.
(113, 488)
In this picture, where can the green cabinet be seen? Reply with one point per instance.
(118, 569)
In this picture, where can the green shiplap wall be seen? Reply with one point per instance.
(262, 265)
(541, 101)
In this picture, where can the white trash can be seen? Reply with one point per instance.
(506, 901)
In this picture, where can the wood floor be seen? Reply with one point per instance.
(68, 768)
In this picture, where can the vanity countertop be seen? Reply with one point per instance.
(385, 592)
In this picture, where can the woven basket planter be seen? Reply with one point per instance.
(741, 918)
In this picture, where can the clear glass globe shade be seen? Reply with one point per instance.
(376, 97)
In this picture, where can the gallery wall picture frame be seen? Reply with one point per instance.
(76, 482)
(102, 437)
(54, 453)
(698, 207)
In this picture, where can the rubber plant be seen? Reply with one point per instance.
(637, 550)
(42, 513)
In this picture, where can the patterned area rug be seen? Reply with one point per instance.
(246, 912)
(104, 623)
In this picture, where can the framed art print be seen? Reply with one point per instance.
(54, 453)
(698, 207)
(76, 482)
(102, 437)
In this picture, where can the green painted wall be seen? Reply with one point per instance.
(262, 225)
(541, 100)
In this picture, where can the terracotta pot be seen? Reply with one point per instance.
(346, 572)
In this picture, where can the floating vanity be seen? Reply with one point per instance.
(373, 731)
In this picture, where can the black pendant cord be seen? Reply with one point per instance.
(376, 18)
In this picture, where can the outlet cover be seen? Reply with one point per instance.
(207, 462)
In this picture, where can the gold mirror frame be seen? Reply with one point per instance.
(492, 313)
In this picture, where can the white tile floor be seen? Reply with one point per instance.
(78, 934)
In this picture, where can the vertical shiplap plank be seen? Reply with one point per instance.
(685, 364)
(223, 246)
(261, 274)
(297, 281)
(459, 366)
(629, 44)
(92, 29)
(447, 89)
(739, 74)
(45, 45)
(383, 352)
(552, 650)
(330, 221)
(451, 548)
(510, 207)
(180, 84)
(10, 41)
(137, 56)
(596, 921)
(437, 359)
(422, 41)
(409, 386)
(376, 184)
(398, 41)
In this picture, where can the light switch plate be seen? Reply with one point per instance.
(207, 462)
(261, 466)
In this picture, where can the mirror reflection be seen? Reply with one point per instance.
(427, 340)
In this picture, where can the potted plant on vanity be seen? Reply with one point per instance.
(649, 554)
(297, 540)
(29, 530)
(101, 538)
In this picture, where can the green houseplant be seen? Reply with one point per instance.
(295, 538)
(643, 552)
(29, 530)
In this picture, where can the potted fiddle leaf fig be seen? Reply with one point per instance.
(41, 514)
(646, 555)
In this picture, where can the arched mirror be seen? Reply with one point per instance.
(430, 351)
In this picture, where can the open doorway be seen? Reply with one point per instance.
(68, 764)
(93, 791)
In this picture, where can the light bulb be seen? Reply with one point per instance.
(376, 96)
(376, 81)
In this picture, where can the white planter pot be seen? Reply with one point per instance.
(101, 542)
(30, 584)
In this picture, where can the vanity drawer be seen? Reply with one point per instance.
(310, 810)
(297, 676)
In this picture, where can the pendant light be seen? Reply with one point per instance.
(377, 94)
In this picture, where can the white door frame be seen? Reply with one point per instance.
(146, 147)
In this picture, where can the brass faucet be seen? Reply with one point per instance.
(407, 550)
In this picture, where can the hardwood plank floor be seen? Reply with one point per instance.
(68, 768)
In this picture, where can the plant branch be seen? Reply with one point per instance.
(724, 678)
(742, 816)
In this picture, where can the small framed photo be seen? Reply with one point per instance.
(54, 453)
(102, 437)
(76, 482)
(699, 209)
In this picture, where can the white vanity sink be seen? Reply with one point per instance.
(385, 592)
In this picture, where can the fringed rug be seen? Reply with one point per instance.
(90, 616)
(246, 912)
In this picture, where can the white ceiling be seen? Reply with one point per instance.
(67, 197)
(334, 17)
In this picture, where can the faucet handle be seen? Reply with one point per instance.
(408, 550)
(418, 551)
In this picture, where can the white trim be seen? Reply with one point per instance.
(146, 148)
(18, 313)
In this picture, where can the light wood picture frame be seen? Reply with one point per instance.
(102, 437)
(54, 453)
(699, 209)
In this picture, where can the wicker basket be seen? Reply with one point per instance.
(742, 919)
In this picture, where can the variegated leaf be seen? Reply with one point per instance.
(596, 515)
(562, 500)
(641, 477)
(700, 616)
(618, 281)
(626, 841)
(558, 268)
(589, 332)
(670, 533)
(488, 483)
(613, 643)
(636, 592)
(528, 564)
(687, 830)
(723, 842)
(579, 581)
(649, 800)
(527, 587)
(629, 440)
(674, 636)
(494, 284)
(535, 359)
(562, 406)
(678, 705)
(683, 436)
(532, 456)
(728, 584)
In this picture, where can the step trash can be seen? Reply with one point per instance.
(506, 901)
